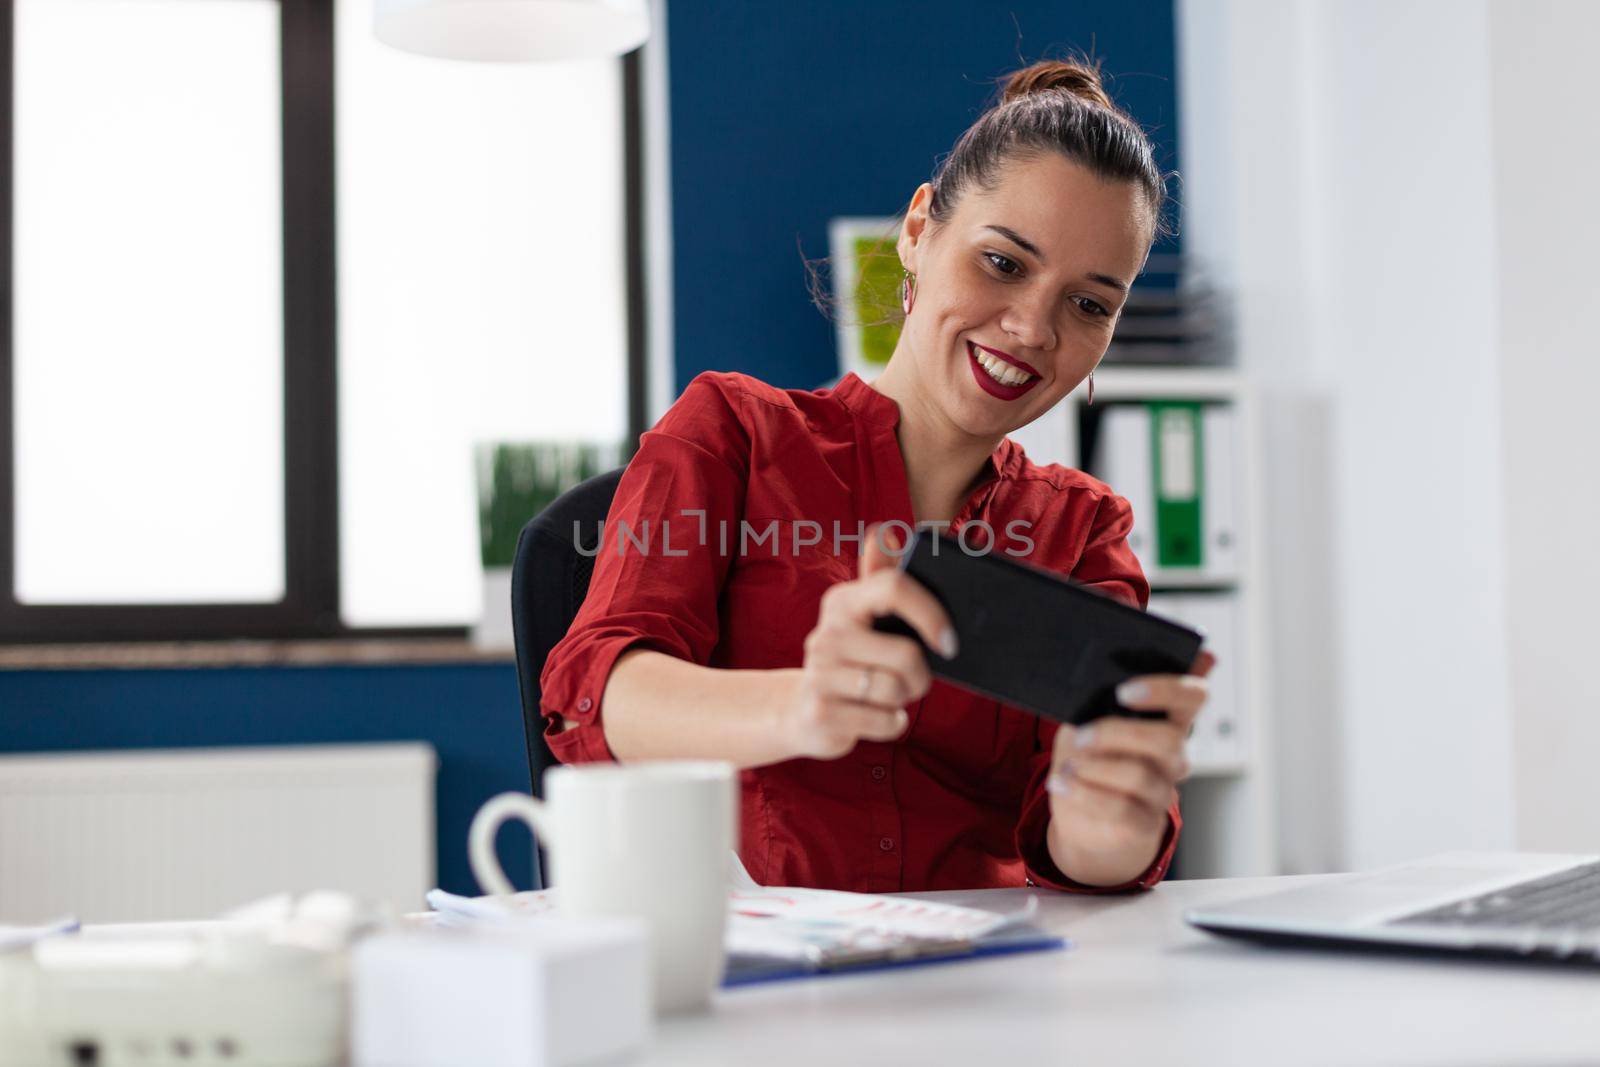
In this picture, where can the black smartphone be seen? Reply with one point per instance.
(1032, 639)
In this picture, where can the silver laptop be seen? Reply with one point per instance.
(1503, 904)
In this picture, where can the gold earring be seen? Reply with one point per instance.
(908, 291)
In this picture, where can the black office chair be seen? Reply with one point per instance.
(549, 579)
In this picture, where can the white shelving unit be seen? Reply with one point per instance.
(1229, 828)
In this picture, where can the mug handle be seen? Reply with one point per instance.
(480, 838)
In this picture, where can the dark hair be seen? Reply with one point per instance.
(1055, 105)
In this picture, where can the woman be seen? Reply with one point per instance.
(729, 618)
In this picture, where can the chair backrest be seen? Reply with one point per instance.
(549, 579)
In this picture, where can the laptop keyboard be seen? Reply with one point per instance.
(1569, 899)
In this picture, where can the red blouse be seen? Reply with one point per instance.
(717, 549)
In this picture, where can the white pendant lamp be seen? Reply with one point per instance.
(511, 31)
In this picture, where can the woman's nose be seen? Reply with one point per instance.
(1031, 327)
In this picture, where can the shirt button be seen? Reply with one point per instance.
(879, 773)
(585, 704)
(886, 844)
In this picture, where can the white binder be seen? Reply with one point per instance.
(1219, 517)
(1218, 738)
(1124, 464)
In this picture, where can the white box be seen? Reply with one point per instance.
(532, 993)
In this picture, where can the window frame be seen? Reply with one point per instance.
(310, 607)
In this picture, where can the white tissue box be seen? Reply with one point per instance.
(536, 993)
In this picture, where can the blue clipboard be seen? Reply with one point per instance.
(752, 970)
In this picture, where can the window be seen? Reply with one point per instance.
(147, 353)
(182, 344)
(481, 297)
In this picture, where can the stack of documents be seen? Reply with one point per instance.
(789, 933)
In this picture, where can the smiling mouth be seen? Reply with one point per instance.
(1000, 375)
(1000, 370)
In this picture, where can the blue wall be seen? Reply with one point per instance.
(784, 116)
(470, 714)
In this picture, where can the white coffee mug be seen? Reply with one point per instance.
(648, 839)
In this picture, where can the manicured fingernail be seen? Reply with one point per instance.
(948, 643)
(1083, 737)
(1133, 692)
(1057, 783)
(901, 720)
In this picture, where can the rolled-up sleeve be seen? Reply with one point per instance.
(661, 564)
(1108, 564)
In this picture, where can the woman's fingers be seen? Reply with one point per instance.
(1159, 742)
(1181, 696)
(827, 727)
(873, 686)
(1131, 776)
(1104, 806)
(897, 593)
(857, 680)
(892, 592)
(880, 545)
(875, 724)
(1203, 662)
(837, 645)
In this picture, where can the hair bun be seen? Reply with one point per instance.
(1081, 79)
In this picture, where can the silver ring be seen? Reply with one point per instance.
(866, 683)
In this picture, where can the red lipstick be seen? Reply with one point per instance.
(987, 383)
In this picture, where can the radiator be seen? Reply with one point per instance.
(187, 833)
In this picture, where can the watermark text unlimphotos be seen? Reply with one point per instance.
(776, 537)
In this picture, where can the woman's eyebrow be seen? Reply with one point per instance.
(1033, 250)
(1016, 238)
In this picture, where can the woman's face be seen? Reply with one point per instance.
(1018, 293)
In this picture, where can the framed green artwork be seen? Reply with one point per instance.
(866, 276)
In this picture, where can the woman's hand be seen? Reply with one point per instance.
(1112, 781)
(856, 681)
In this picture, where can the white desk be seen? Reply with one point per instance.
(1142, 987)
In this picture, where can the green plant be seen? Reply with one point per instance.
(518, 480)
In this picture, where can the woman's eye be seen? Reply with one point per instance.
(1010, 268)
(1001, 263)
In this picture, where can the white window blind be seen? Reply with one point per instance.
(148, 302)
(481, 297)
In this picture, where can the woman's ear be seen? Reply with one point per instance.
(915, 227)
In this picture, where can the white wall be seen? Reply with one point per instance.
(1547, 151)
(1412, 320)
(1337, 159)
(1243, 164)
